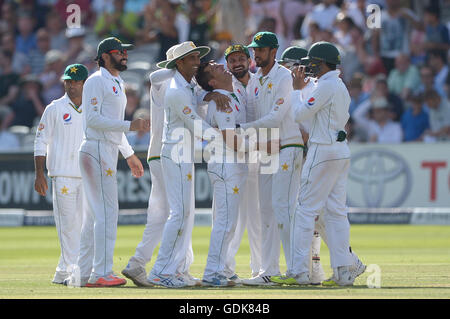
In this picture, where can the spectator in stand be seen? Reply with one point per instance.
(119, 23)
(140, 138)
(414, 120)
(132, 93)
(437, 34)
(55, 29)
(200, 16)
(20, 61)
(358, 96)
(78, 51)
(26, 38)
(381, 128)
(8, 141)
(8, 17)
(392, 38)
(160, 27)
(438, 62)
(29, 104)
(427, 80)
(357, 11)
(233, 17)
(405, 78)
(324, 14)
(395, 102)
(9, 80)
(439, 112)
(50, 77)
(37, 56)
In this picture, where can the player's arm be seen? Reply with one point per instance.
(93, 95)
(43, 136)
(160, 76)
(280, 107)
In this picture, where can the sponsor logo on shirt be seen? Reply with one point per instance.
(187, 110)
(256, 91)
(115, 90)
(280, 101)
(311, 101)
(67, 118)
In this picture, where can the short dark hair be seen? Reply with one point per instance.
(202, 77)
(101, 62)
(433, 10)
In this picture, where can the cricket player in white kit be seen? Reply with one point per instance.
(158, 206)
(58, 138)
(278, 190)
(180, 113)
(226, 174)
(324, 177)
(238, 62)
(104, 103)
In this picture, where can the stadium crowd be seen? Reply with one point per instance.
(397, 74)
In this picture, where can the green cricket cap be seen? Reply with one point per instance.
(264, 39)
(237, 48)
(293, 54)
(112, 43)
(76, 72)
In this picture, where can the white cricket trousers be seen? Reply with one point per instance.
(157, 214)
(68, 214)
(178, 179)
(227, 181)
(323, 186)
(278, 193)
(249, 217)
(98, 165)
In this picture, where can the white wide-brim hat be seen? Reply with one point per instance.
(169, 56)
(182, 50)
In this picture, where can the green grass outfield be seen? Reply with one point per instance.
(414, 263)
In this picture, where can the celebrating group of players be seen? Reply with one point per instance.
(253, 128)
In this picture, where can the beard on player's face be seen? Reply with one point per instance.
(241, 73)
(117, 64)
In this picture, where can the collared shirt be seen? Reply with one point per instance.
(270, 96)
(104, 103)
(180, 115)
(59, 136)
(327, 106)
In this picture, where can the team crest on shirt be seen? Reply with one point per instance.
(187, 110)
(67, 118)
(41, 126)
(115, 90)
(228, 110)
(94, 101)
(311, 101)
(280, 101)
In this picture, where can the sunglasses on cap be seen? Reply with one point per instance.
(122, 52)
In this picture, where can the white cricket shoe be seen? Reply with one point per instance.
(137, 275)
(303, 278)
(59, 277)
(259, 281)
(357, 268)
(190, 280)
(169, 281)
(342, 277)
(317, 274)
(218, 281)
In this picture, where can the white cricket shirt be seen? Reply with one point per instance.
(270, 96)
(327, 106)
(104, 103)
(58, 137)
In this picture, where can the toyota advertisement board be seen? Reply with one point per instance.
(402, 175)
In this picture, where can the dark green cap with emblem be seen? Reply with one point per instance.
(264, 39)
(237, 48)
(76, 72)
(324, 51)
(293, 54)
(111, 43)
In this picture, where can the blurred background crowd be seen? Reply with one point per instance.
(397, 75)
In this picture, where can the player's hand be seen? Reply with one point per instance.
(40, 185)
(135, 165)
(298, 78)
(222, 101)
(140, 125)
